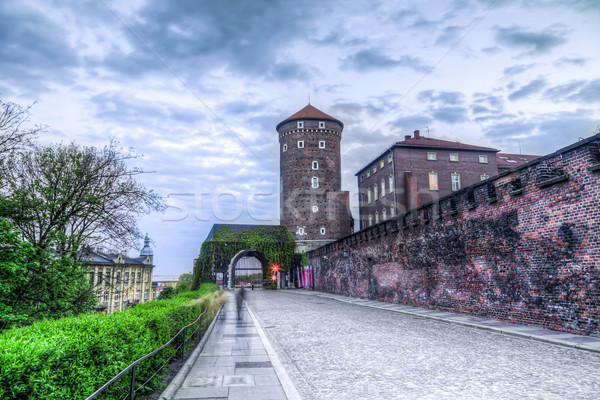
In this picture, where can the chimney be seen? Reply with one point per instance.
(406, 137)
(417, 134)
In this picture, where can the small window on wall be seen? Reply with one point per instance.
(315, 208)
(368, 174)
(455, 182)
(285, 147)
(454, 157)
(375, 169)
(370, 220)
(376, 217)
(116, 297)
(381, 164)
(369, 195)
(362, 178)
(322, 231)
(391, 183)
(384, 214)
(433, 181)
(322, 144)
(431, 156)
(375, 194)
(315, 165)
(300, 124)
(483, 160)
(300, 231)
(321, 125)
(390, 159)
(382, 187)
(300, 144)
(392, 211)
(484, 177)
(315, 182)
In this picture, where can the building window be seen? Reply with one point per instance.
(315, 208)
(315, 182)
(315, 165)
(146, 295)
(382, 187)
(300, 231)
(392, 211)
(91, 278)
(433, 181)
(300, 124)
(107, 277)
(285, 147)
(391, 183)
(321, 125)
(454, 157)
(133, 278)
(431, 156)
(381, 164)
(322, 231)
(322, 144)
(300, 144)
(483, 159)
(118, 278)
(99, 277)
(370, 220)
(139, 277)
(455, 182)
(362, 178)
(126, 277)
(376, 217)
(384, 214)
(375, 195)
(105, 297)
(369, 195)
(374, 169)
(484, 177)
(389, 159)
(116, 297)
(368, 174)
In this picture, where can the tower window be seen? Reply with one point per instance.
(321, 125)
(322, 144)
(315, 165)
(285, 147)
(315, 208)
(300, 144)
(315, 182)
(300, 231)
(300, 124)
(322, 231)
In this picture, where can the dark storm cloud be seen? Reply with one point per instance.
(531, 88)
(448, 98)
(534, 43)
(373, 59)
(34, 51)
(451, 115)
(517, 69)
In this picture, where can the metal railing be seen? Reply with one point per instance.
(180, 346)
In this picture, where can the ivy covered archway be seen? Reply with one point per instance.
(273, 243)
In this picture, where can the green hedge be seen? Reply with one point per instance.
(72, 357)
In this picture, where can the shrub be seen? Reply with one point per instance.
(72, 357)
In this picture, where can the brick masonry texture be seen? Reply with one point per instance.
(522, 247)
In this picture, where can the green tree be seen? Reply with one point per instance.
(184, 283)
(166, 293)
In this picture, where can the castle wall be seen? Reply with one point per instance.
(522, 247)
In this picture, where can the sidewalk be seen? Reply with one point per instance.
(581, 342)
(237, 362)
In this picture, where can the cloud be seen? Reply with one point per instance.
(374, 59)
(590, 93)
(411, 122)
(559, 92)
(449, 98)
(566, 61)
(451, 115)
(449, 35)
(517, 69)
(534, 43)
(532, 87)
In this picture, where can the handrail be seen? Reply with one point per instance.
(133, 364)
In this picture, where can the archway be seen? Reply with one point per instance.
(249, 274)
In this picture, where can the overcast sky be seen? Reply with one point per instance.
(197, 87)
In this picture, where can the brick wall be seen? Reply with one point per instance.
(522, 247)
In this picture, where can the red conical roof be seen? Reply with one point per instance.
(310, 112)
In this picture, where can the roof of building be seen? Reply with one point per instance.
(146, 250)
(240, 227)
(98, 257)
(513, 160)
(310, 112)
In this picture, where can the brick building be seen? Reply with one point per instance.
(119, 281)
(416, 171)
(313, 206)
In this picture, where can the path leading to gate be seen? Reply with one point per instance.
(335, 349)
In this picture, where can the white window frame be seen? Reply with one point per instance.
(391, 183)
(301, 231)
(431, 156)
(300, 125)
(370, 220)
(315, 209)
(375, 193)
(300, 144)
(390, 159)
(383, 187)
(392, 211)
(116, 297)
(369, 195)
(384, 214)
(369, 174)
(434, 175)
(321, 144)
(323, 231)
(315, 182)
(483, 177)
(315, 165)
(454, 157)
(483, 159)
(284, 147)
(362, 178)
(374, 169)
(376, 217)
(455, 180)
(321, 125)
(381, 164)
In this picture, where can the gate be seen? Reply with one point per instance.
(248, 272)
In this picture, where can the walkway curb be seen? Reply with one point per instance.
(176, 382)
(423, 314)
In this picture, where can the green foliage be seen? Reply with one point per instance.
(72, 357)
(166, 293)
(275, 243)
(184, 283)
(36, 284)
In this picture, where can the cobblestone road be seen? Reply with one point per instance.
(335, 350)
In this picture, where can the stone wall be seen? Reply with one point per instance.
(523, 246)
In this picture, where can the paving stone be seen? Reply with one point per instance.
(202, 393)
(238, 380)
(203, 381)
(257, 392)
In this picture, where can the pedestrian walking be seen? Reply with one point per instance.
(239, 298)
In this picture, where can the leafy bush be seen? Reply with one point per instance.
(72, 357)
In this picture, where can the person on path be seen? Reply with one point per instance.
(239, 298)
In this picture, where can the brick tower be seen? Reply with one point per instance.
(313, 207)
